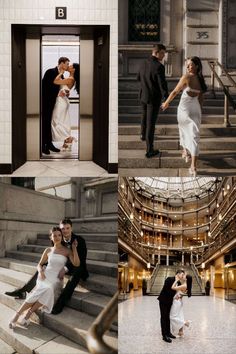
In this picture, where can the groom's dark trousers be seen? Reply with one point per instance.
(49, 95)
(165, 302)
(153, 87)
(76, 273)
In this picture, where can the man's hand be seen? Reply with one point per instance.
(61, 93)
(61, 274)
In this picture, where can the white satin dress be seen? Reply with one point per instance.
(49, 289)
(177, 314)
(61, 124)
(189, 121)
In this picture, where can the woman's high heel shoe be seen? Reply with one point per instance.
(13, 322)
(186, 156)
(24, 322)
(193, 172)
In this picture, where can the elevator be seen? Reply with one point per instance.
(35, 48)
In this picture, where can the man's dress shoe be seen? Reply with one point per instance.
(142, 137)
(171, 336)
(166, 339)
(46, 150)
(56, 310)
(53, 148)
(152, 153)
(17, 294)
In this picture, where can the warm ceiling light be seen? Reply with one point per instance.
(220, 217)
(209, 233)
(228, 186)
(141, 233)
(131, 216)
(217, 205)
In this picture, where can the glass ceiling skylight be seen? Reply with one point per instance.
(181, 187)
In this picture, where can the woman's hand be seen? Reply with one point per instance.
(74, 245)
(164, 106)
(42, 275)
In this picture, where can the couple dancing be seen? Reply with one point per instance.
(56, 125)
(67, 255)
(153, 87)
(171, 305)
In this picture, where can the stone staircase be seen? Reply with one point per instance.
(64, 333)
(217, 144)
(169, 271)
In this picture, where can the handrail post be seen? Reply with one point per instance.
(226, 111)
(213, 79)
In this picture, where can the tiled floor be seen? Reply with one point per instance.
(59, 168)
(213, 328)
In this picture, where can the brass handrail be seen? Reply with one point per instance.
(228, 97)
(94, 338)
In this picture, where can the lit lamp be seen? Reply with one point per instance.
(141, 233)
(131, 216)
(220, 217)
(148, 265)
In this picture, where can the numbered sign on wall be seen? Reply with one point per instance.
(60, 13)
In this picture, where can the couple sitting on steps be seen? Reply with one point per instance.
(67, 255)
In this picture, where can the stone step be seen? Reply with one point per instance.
(98, 283)
(92, 254)
(167, 118)
(106, 246)
(36, 339)
(90, 303)
(130, 100)
(6, 348)
(208, 130)
(100, 267)
(172, 143)
(136, 110)
(171, 159)
(90, 236)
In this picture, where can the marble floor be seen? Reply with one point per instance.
(212, 332)
(57, 168)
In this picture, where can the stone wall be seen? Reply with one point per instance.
(24, 213)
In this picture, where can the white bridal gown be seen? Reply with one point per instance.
(189, 121)
(47, 290)
(177, 314)
(61, 125)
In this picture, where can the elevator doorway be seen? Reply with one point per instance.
(29, 46)
(52, 48)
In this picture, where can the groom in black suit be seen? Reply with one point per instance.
(76, 273)
(49, 95)
(165, 302)
(153, 87)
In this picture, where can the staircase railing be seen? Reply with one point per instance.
(195, 272)
(153, 276)
(94, 338)
(228, 97)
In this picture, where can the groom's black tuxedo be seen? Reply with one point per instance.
(153, 87)
(49, 95)
(165, 301)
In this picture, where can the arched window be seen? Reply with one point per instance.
(144, 20)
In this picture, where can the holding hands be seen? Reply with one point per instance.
(164, 106)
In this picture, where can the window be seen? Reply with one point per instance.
(144, 20)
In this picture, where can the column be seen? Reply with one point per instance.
(182, 262)
(167, 258)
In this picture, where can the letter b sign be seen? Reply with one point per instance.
(60, 13)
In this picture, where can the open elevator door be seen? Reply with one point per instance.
(94, 91)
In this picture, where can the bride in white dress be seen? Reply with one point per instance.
(177, 321)
(60, 123)
(189, 110)
(48, 286)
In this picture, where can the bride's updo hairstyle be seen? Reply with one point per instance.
(53, 229)
(76, 76)
(189, 285)
(198, 63)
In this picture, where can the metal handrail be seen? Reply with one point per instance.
(94, 338)
(195, 272)
(228, 96)
(153, 276)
